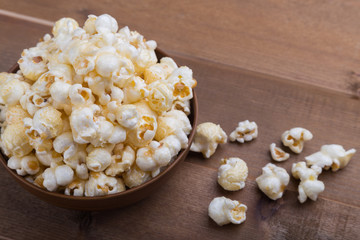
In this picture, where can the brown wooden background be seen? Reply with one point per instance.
(281, 63)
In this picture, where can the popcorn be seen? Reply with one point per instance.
(224, 211)
(160, 96)
(245, 131)
(56, 176)
(14, 141)
(153, 157)
(24, 165)
(232, 174)
(122, 160)
(99, 185)
(98, 159)
(169, 122)
(295, 138)
(12, 89)
(75, 188)
(273, 181)
(86, 104)
(278, 154)
(33, 62)
(332, 155)
(135, 177)
(309, 186)
(207, 137)
(160, 71)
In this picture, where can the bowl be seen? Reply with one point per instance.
(116, 200)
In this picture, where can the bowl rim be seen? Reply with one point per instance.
(177, 160)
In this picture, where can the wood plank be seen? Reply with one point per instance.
(15, 36)
(314, 41)
(228, 95)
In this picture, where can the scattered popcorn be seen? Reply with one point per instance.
(245, 131)
(207, 137)
(232, 174)
(331, 156)
(309, 186)
(81, 115)
(278, 154)
(295, 138)
(273, 181)
(224, 211)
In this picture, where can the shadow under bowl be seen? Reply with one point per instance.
(116, 200)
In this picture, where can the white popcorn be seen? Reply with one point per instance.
(43, 84)
(75, 188)
(57, 175)
(99, 185)
(309, 186)
(153, 157)
(273, 181)
(89, 25)
(135, 177)
(48, 157)
(144, 131)
(182, 82)
(31, 102)
(14, 140)
(332, 155)
(295, 138)
(183, 106)
(82, 171)
(127, 116)
(122, 160)
(278, 154)
(33, 62)
(98, 159)
(135, 90)
(106, 23)
(207, 137)
(245, 131)
(12, 90)
(224, 211)
(160, 96)
(107, 63)
(83, 125)
(24, 165)
(108, 133)
(64, 144)
(169, 122)
(60, 92)
(80, 95)
(232, 174)
(15, 114)
(175, 142)
(64, 25)
(160, 71)
(47, 122)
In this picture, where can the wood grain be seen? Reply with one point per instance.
(316, 42)
(312, 43)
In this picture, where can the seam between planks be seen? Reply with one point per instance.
(26, 18)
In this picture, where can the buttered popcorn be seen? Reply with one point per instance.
(232, 173)
(224, 211)
(91, 110)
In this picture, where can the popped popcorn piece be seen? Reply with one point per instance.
(48, 157)
(106, 23)
(33, 62)
(310, 186)
(160, 96)
(232, 173)
(183, 106)
(135, 176)
(127, 116)
(98, 159)
(12, 89)
(99, 185)
(14, 141)
(108, 133)
(75, 188)
(57, 175)
(245, 131)
(31, 102)
(273, 181)
(15, 114)
(59, 92)
(64, 25)
(169, 122)
(153, 157)
(64, 144)
(47, 122)
(182, 83)
(295, 138)
(89, 25)
(24, 165)
(332, 155)
(207, 137)
(278, 154)
(80, 95)
(224, 211)
(175, 142)
(135, 90)
(83, 125)
(122, 160)
(159, 71)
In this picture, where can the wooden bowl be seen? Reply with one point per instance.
(117, 200)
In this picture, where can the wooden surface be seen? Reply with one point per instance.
(279, 63)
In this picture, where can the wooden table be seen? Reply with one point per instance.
(279, 63)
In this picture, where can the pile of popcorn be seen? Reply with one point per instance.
(91, 111)
(232, 172)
